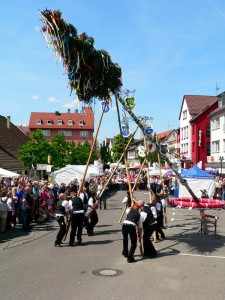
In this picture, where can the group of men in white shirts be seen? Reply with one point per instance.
(79, 212)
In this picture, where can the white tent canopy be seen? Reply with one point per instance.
(70, 172)
(5, 173)
(197, 180)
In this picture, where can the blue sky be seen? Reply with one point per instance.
(166, 49)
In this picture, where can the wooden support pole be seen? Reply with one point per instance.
(121, 157)
(92, 147)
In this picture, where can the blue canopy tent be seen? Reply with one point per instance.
(196, 172)
(198, 180)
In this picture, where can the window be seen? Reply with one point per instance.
(193, 146)
(216, 124)
(184, 114)
(83, 133)
(216, 146)
(81, 122)
(49, 122)
(60, 122)
(65, 132)
(46, 132)
(208, 130)
(38, 121)
(208, 149)
(70, 122)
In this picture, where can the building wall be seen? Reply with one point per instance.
(185, 132)
(218, 135)
(200, 138)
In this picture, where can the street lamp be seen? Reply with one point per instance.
(221, 163)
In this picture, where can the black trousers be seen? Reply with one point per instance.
(159, 231)
(149, 249)
(129, 230)
(76, 227)
(90, 224)
(62, 230)
(26, 219)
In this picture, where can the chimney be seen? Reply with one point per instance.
(76, 111)
(8, 122)
(68, 111)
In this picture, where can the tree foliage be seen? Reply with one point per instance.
(105, 152)
(117, 148)
(37, 150)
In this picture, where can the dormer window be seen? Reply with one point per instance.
(49, 122)
(81, 122)
(70, 122)
(60, 122)
(38, 121)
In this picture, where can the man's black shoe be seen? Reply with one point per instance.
(79, 243)
(131, 260)
(72, 245)
(125, 255)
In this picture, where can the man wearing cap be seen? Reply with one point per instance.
(61, 211)
(149, 224)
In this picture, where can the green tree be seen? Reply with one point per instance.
(35, 151)
(60, 151)
(105, 152)
(117, 148)
(82, 152)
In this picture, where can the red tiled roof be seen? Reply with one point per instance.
(162, 135)
(197, 104)
(75, 117)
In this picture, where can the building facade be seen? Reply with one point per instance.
(76, 127)
(195, 129)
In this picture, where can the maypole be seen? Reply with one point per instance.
(91, 73)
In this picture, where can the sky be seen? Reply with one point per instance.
(166, 49)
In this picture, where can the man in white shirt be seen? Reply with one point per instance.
(62, 210)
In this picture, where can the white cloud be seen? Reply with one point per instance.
(35, 97)
(71, 104)
(52, 100)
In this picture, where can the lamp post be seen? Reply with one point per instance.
(221, 164)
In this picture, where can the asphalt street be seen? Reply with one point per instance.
(189, 265)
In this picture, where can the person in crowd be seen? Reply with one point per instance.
(27, 207)
(127, 199)
(61, 211)
(3, 212)
(76, 207)
(15, 207)
(148, 224)
(10, 206)
(130, 229)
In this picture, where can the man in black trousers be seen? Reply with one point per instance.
(76, 207)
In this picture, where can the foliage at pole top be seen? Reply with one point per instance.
(91, 72)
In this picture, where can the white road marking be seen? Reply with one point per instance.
(201, 255)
